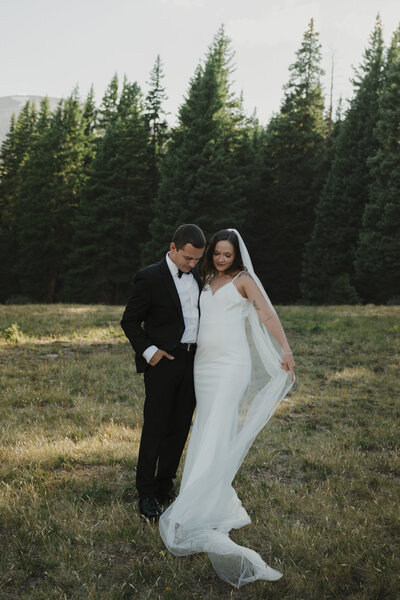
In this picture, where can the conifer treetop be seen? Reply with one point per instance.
(306, 71)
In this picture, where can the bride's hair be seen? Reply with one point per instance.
(208, 265)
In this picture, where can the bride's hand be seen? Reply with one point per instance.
(288, 364)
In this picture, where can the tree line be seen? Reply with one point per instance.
(89, 195)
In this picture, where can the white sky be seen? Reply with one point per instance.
(49, 46)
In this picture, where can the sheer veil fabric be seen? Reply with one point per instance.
(239, 384)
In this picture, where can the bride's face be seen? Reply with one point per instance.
(224, 255)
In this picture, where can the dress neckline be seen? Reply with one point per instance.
(220, 287)
(225, 284)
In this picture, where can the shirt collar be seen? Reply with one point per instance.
(172, 266)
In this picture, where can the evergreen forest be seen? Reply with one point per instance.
(91, 192)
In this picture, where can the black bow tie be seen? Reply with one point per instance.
(180, 273)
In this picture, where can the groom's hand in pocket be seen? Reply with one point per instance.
(157, 356)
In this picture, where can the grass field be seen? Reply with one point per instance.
(321, 482)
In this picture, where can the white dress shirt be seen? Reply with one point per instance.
(188, 292)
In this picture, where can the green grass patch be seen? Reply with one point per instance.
(321, 482)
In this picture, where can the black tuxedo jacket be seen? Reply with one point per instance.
(153, 314)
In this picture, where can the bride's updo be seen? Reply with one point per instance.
(208, 265)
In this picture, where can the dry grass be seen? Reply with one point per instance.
(321, 482)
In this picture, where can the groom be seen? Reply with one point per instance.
(161, 322)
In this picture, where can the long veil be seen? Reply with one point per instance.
(207, 507)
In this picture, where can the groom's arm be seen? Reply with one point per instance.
(135, 314)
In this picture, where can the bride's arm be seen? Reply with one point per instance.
(250, 290)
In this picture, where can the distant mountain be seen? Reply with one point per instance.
(13, 104)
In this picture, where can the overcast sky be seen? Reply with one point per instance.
(49, 46)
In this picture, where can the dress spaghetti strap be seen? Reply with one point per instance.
(236, 276)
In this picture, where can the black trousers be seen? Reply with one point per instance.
(168, 411)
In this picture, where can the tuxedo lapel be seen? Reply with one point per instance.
(170, 285)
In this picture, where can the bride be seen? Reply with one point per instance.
(243, 369)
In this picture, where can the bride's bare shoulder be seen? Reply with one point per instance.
(241, 274)
(243, 282)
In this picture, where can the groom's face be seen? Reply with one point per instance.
(185, 258)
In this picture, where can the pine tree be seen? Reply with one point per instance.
(114, 212)
(89, 123)
(155, 115)
(201, 179)
(155, 112)
(378, 255)
(13, 153)
(328, 273)
(250, 161)
(50, 181)
(109, 106)
(294, 168)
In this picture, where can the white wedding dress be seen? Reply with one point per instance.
(231, 409)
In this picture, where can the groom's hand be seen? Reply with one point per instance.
(157, 356)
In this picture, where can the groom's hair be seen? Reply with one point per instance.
(189, 234)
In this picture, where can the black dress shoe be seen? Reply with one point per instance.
(168, 497)
(150, 508)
